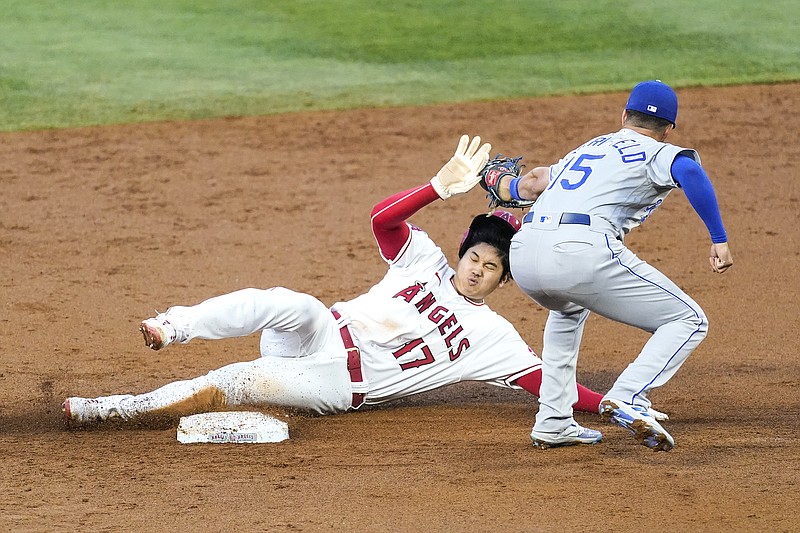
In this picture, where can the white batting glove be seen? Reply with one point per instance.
(460, 174)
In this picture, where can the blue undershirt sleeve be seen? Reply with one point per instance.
(694, 181)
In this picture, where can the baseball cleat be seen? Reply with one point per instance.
(574, 434)
(80, 412)
(639, 423)
(66, 411)
(157, 332)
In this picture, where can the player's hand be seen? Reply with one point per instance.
(460, 174)
(720, 257)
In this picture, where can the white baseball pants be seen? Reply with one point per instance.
(573, 269)
(303, 363)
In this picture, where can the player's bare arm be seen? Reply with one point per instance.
(534, 183)
(529, 187)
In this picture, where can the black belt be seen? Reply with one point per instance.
(566, 218)
(353, 360)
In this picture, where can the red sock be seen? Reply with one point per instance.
(588, 400)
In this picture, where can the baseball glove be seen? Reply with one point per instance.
(493, 172)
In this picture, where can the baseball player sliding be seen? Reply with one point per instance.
(424, 325)
(569, 257)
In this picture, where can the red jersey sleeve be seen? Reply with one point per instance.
(389, 218)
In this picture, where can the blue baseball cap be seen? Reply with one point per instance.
(654, 98)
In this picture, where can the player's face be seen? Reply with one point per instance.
(479, 272)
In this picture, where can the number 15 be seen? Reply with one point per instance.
(578, 167)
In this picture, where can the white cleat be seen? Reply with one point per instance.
(574, 434)
(79, 412)
(158, 332)
(639, 423)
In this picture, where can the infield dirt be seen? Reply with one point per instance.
(100, 226)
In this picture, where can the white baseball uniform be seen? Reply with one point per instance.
(413, 332)
(569, 257)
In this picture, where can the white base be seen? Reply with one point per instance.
(231, 427)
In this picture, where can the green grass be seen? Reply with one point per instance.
(68, 64)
